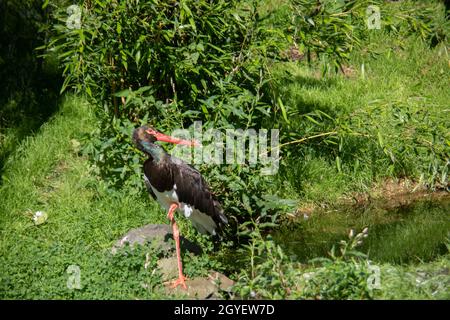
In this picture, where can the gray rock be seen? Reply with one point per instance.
(203, 287)
(159, 235)
(168, 268)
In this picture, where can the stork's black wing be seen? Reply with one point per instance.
(149, 187)
(192, 189)
(157, 175)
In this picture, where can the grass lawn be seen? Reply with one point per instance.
(387, 111)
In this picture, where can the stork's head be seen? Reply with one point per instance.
(144, 136)
(141, 136)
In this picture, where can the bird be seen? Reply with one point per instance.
(178, 187)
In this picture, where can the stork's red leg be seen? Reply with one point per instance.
(176, 235)
(172, 209)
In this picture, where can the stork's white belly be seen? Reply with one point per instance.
(166, 198)
(201, 221)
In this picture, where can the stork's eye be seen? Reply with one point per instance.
(151, 132)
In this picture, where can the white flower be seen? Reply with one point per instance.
(39, 217)
(37, 214)
(351, 234)
(308, 275)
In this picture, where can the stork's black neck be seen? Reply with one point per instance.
(155, 152)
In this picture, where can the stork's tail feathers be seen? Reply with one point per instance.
(221, 219)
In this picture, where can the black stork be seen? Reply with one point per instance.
(178, 187)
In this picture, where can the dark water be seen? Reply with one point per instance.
(397, 233)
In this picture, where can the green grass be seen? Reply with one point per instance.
(396, 118)
(420, 281)
(84, 219)
(339, 275)
(388, 118)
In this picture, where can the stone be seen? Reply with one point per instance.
(168, 268)
(159, 235)
(208, 287)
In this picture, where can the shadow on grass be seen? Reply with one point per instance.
(29, 87)
(309, 115)
(298, 103)
(22, 116)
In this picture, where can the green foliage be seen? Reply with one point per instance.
(268, 274)
(132, 272)
(102, 275)
(338, 280)
(348, 128)
(184, 52)
(331, 30)
(272, 275)
(341, 276)
(115, 158)
(199, 265)
(425, 20)
(423, 135)
(28, 83)
(165, 65)
(173, 64)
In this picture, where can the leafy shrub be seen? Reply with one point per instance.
(329, 29)
(273, 275)
(184, 52)
(129, 274)
(169, 64)
(270, 274)
(424, 20)
(341, 276)
(172, 63)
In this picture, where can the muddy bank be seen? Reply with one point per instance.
(390, 194)
(406, 222)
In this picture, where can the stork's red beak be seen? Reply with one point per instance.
(165, 138)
